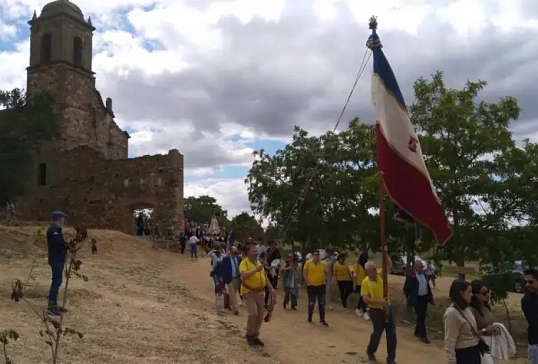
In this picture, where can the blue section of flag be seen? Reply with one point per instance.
(383, 69)
(402, 216)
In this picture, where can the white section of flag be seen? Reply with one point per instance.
(396, 127)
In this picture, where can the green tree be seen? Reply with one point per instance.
(26, 121)
(246, 226)
(320, 190)
(201, 209)
(474, 163)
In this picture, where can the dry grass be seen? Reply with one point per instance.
(127, 313)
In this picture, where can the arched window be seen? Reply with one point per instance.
(46, 48)
(77, 52)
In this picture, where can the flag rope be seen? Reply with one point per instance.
(296, 207)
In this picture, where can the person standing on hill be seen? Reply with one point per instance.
(254, 282)
(315, 278)
(56, 247)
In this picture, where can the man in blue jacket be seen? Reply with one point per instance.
(57, 252)
(229, 274)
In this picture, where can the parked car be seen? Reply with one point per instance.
(515, 269)
(399, 264)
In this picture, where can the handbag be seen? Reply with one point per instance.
(482, 346)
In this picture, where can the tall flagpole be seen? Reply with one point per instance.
(382, 212)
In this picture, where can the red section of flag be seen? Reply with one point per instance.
(410, 190)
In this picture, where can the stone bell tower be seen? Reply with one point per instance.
(61, 63)
(61, 37)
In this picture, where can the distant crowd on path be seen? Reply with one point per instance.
(11, 215)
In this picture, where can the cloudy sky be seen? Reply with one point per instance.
(218, 79)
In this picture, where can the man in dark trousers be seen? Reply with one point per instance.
(56, 256)
(418, 292)
(529, 305)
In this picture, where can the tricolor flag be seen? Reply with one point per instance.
(399, 156)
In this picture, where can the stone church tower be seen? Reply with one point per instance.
(61, 62)
(86, 171)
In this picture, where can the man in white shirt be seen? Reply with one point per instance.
(193, 241)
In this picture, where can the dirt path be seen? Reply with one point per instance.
(292, 340)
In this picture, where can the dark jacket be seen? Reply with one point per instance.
(411, 289)
(56, 244)
(274, 253)
(363, 259)
(225, 268)
(529, 305)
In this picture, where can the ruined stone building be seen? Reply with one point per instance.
(86, 172)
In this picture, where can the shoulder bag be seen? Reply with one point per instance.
(482, 346)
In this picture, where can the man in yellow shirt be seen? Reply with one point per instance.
(372, 293)
(315, 278)
(253, 284)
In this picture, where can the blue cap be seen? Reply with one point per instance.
(57, 214)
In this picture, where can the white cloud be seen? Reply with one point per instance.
(193, 74)
(229, 193)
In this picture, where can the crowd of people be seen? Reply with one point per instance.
(249, 275)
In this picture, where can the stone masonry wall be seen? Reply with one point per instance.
(104, 193)
(86, 120)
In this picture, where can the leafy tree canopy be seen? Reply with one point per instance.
(475, 164)
(25, 122)
(246, 226)
(323, 190)
(201, 209)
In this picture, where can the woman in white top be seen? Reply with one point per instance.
(461, 338)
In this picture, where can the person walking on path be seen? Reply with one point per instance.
(343, 279)
(229, 275)
(329, 260)
(193, 242)
(529, 305)
(290, 278)
(378, 308)
(56, 247)
(418, 293)
(315, 278)
(359, 274)
(254, 282)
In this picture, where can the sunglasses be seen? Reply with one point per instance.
(484, 293)
(529, 282)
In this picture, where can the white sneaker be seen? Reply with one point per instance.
(366, 316)
(358, 312)
(241, 303)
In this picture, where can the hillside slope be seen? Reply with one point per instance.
(127, 312)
